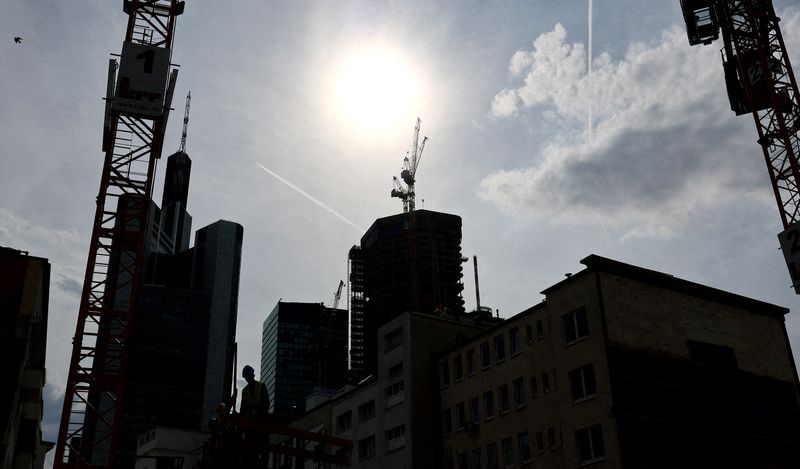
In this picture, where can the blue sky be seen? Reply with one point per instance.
(670, 180)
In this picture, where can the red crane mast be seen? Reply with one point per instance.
(760, 81)
(139, 94)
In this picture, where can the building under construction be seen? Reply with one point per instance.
(406, 262)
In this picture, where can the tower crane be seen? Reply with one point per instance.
(182, 148)
(409, 172)
(338, 295)
(138, 96)
(760, 81)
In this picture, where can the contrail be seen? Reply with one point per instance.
(311, 198)
(589, 71)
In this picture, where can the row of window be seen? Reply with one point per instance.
(582, 386)
(575, 327)
(366, 411)
(588, 442)
(394, 438)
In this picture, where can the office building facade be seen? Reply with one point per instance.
(304, 346)
(180, 361)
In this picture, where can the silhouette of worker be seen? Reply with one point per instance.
(255, 399)
(255, 407)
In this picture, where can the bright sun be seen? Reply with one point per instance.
(375, 89)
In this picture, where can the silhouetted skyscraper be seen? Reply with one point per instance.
(409, 262)
(304, 346)
(180, 363)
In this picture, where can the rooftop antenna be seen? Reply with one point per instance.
(182, 148)
(408, 174)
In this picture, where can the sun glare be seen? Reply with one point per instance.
(375, 90)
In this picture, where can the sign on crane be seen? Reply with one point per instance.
(760, 81)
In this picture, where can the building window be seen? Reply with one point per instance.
(444, 372)
(344, 421)
(461, 417)
(471, 361)
(519, 393)
(475, 410)
(499, 348)
(524, 443)
(396, 371)
(508, 451)
(394, 389)
(396, 438)
(551, 437)
(366, 411)
(712, 354)
(488, 404)
(575, 325)
(491, 456)
(486, 356)
(513, 341)
(366, 447)
(590, 444)
(545, 382)
(534, 387)
(458, 370)
(582, 382)
(539, 329)
(447, 421)
(502, 396)
(528, 333)
(463, 460)
(539, 442)
(476, 459)
(393, 339)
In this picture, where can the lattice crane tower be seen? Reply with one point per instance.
(760, 82)
(139, 94)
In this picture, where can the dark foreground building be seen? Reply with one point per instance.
(406, 262)
(24, 291)
(180, 364)
(622, 366)
(304, 346)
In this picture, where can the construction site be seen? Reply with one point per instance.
(615, 365)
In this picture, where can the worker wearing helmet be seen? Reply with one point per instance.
(255, 399)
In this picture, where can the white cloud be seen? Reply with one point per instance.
(666, 147)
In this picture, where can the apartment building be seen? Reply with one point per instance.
(622, 366)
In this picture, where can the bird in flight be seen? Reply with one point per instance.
(18, 40)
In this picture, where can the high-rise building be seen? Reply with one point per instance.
(304, 346)
(406, 262)
(24, 290)
(180, 361)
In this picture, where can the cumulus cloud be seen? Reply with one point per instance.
(666, 145)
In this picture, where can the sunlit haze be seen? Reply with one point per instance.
(375, 89)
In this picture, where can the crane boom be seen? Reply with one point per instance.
(760, 81)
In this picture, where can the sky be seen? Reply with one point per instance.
(302, 112)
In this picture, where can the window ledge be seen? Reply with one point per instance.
(505, 412)
(515, 354)
(521, 407)
(578, 340)
(589, 462)
(489, 419)
(585, 398)
(500, 361)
